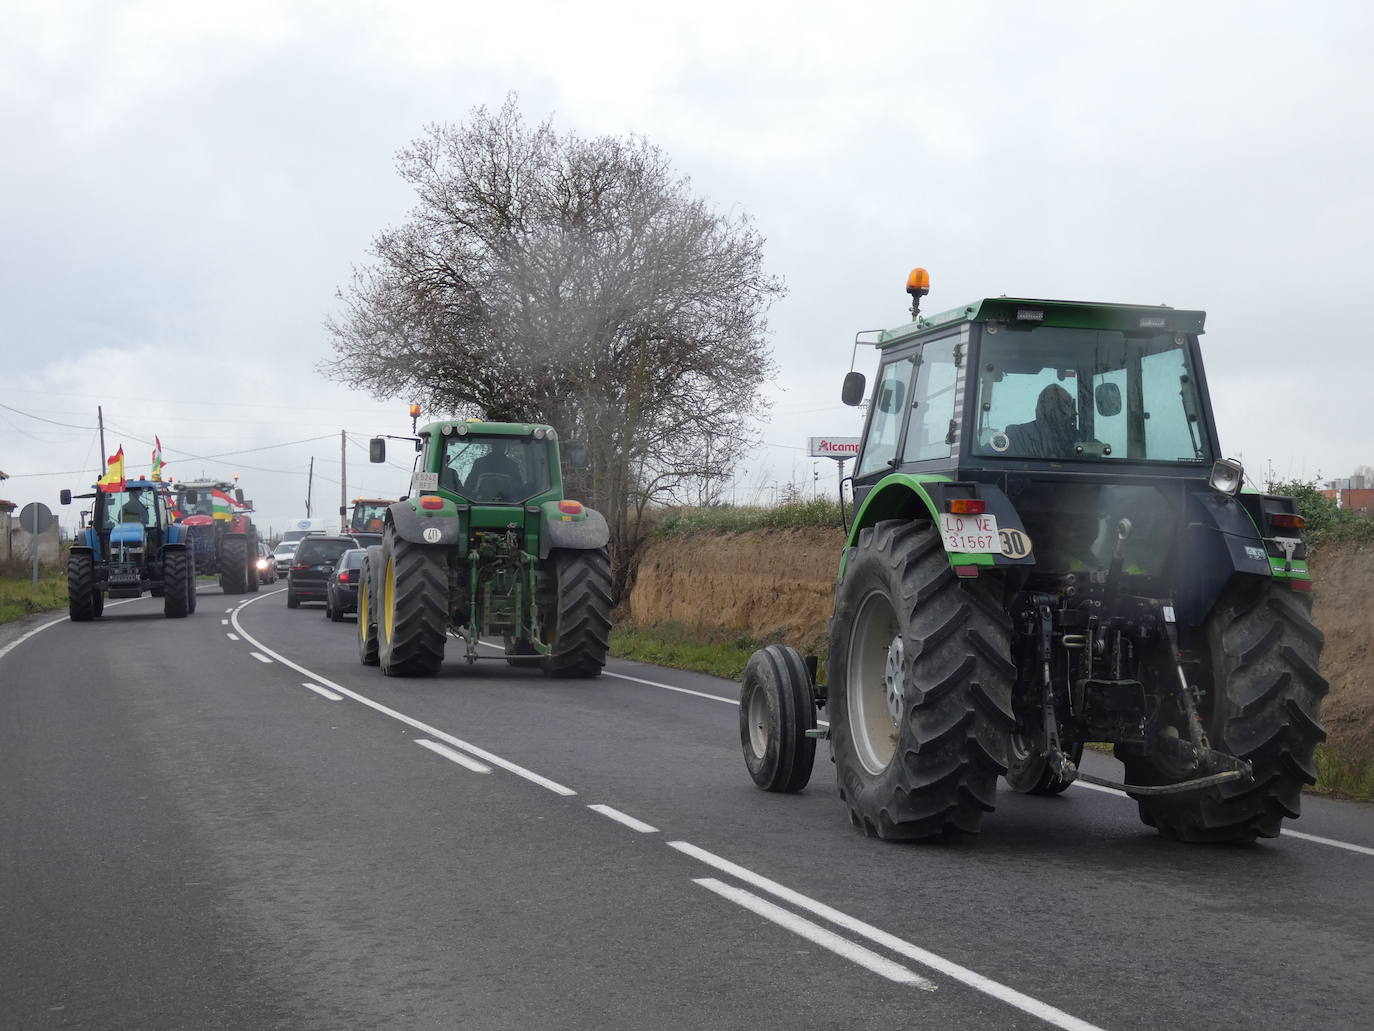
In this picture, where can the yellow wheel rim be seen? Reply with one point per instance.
(389, 599)
(362, 611)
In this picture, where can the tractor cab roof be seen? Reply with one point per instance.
(479, 428)
(1025, 311)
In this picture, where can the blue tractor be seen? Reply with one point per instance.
(130, 547)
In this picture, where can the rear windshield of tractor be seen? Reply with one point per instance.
(367, 516)
(1047, 392)
(495, 470)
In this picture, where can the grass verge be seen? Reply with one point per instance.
(18, 598)
(1343, 776)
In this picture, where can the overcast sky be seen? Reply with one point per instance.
(185, 186)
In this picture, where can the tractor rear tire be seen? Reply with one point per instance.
(192, 596)
(176, 570)
(1028, 770)
(412, 622)
(233, 564)
(920, 687)
(1266, 705)
(367, 609)
(251, 577)
(579, 631)
(82, 593)
(777, 707)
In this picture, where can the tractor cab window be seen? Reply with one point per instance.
(495, 470)
(930, 430)
(368, 516)
(890, 401)
(128, 506)
(1065, 394)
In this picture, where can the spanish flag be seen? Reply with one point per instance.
(113, 480)
(156, 475)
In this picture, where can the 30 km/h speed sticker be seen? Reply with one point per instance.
(1015, 544)
(971, 534)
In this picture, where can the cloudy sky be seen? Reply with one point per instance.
(185, 186)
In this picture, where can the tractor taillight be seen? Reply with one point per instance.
(1288, 520)
(968, 506)
(570, 507)
(1300, 585)
(966, 572)
(432, 503)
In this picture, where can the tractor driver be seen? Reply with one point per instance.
(134, 511)
(1054, 431)
(501, 472)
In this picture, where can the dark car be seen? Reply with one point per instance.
(341, 595)
(314, 560)
(267, 567)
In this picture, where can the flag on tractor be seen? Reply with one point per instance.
(113, 480)
(156, 474)
(224, 504)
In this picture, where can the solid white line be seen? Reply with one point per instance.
(670, 687)
(1363, 850)
(232, 637)
(53, 622)
(410, 721)
(453, 755)
(816, 934)
(625, 818)
(1100, 787)
(261, 657)
(324, 691)
(974, 980)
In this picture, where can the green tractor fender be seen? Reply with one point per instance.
(928, 497)
(442, 526)
(584, 529)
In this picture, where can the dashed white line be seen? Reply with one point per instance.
(261, 657)
(453, 755)
(228, 610)
(323, 691)
(232, 637)
(224, 622)
(963, 975)
(628, 820)
(816, 934)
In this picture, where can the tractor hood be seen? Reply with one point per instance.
(127, 533)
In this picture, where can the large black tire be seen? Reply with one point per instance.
(251, 576)
(1265, 707)
(292, 602)
(176, 577)
(233, 564)
(578, 631)
(920, 687)
(192, 595)
(412, 620)
(82, 594)
(1028, 769)
(367, 609)
(776, 709)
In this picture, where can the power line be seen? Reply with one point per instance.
(53, 422)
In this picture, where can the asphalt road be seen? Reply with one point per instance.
(227, 822)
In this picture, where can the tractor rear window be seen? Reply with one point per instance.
(495, 470)
(1087, 394)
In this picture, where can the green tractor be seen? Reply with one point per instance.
(486, 546)
(1048, 550)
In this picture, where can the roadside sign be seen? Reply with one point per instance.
(35, 517)
(839, 448)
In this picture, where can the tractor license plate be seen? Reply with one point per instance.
(971, 534)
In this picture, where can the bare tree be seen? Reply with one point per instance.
(579, 282)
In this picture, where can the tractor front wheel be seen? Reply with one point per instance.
(578, 631)
(412, 621)
(83, 597)
(1266, 703)
(920, 687)
(233, 564)
(777, 707)
(1028, 767)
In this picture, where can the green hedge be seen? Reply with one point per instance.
(824, 512)
(1326, 524)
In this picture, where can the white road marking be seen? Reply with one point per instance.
(51, 623)
(323, 691)
(224, 622)
(1100, 787)
(261, 657)
(232, 637)
(628, 820)
(670, 687)
(1363, 850)
(963, 975)
(228, 610)
(453, 755)
(815, 933)
(410, 721)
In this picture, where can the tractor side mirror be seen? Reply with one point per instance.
(852, 393)
(376, 450)
(65, 497)
(1107, 396)
(577, 456)
(238, 495)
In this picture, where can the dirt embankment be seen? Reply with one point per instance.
(779, 584)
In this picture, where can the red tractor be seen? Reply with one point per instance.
(223, 537)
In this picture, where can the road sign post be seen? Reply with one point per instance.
(36, 518)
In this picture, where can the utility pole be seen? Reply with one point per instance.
(310, 487)
(100, 421)
(343, 480)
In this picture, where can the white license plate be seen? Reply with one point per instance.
(971, 534)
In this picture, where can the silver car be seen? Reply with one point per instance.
(282, 556)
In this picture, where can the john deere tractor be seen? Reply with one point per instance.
(223, 536)
(130, 547)
(1048, 550)
(486, 547)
